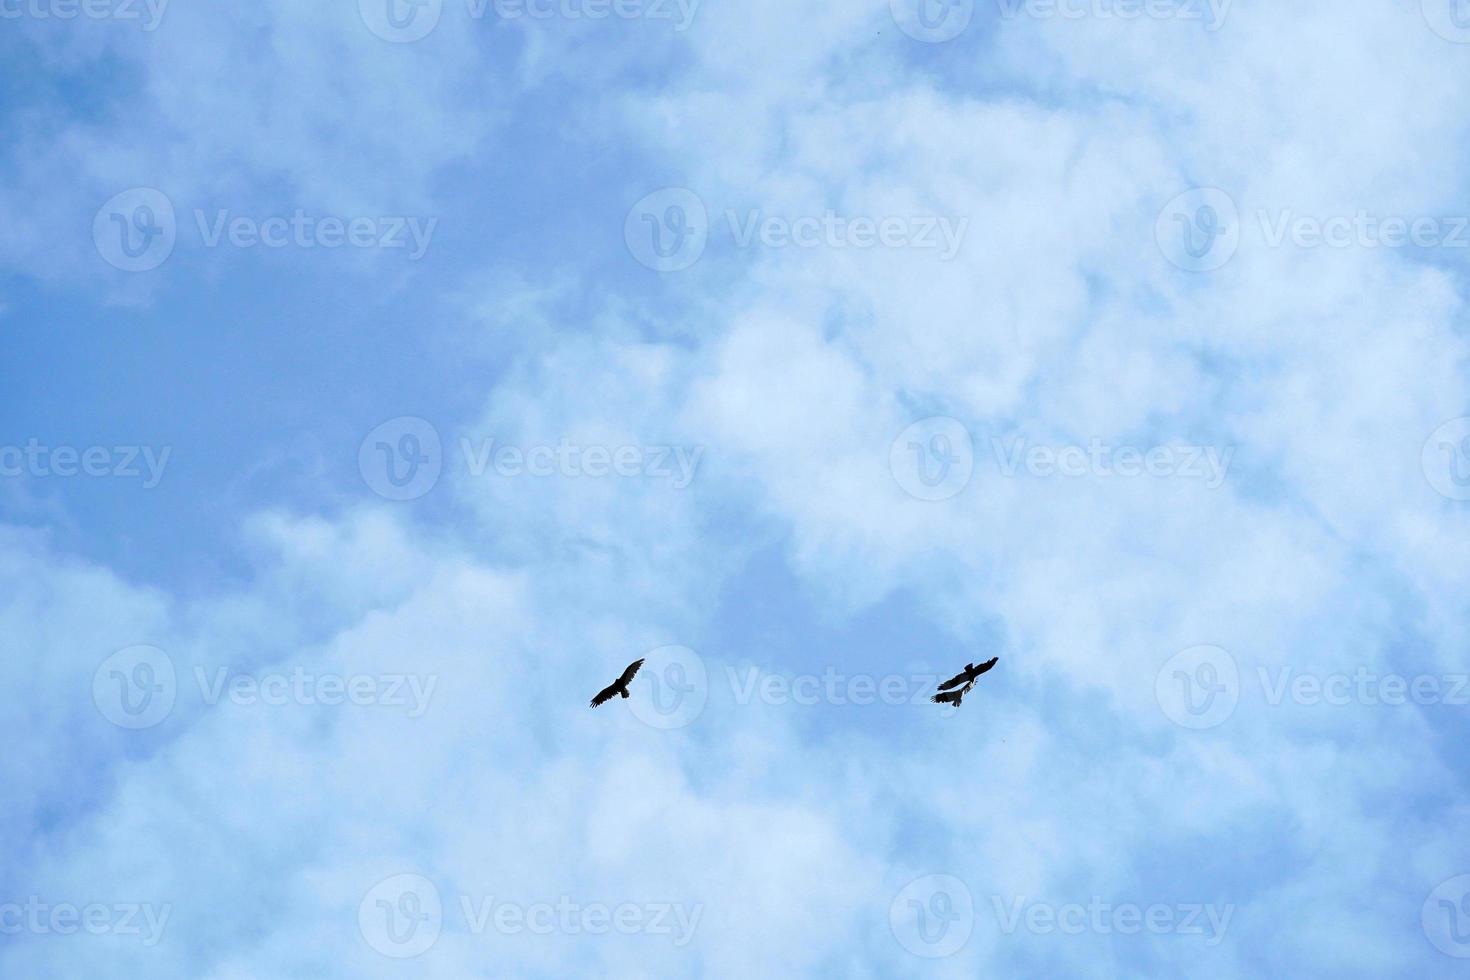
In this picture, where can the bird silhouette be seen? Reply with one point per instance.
(617, 687)
(953, 691)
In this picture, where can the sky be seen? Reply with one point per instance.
(381, 377)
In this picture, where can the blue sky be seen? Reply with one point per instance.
(381, 378)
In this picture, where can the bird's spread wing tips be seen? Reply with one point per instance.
(632, 669)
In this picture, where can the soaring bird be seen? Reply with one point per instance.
(619, 686)
(968, 675)
(953, 697)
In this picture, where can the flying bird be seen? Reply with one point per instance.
(953, 691)
(617, 687)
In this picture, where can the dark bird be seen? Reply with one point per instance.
(617, 687)
(953, 691)
(968, 675)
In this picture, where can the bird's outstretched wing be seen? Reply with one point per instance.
(629, 672)
(961, 678)
(986, 666)
(949, 697)
(605, 695)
